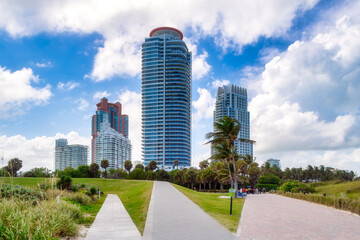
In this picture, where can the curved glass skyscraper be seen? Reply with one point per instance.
(166, 99)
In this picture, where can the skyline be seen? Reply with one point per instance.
(297, 60)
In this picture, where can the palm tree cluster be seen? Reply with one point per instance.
(223, 144)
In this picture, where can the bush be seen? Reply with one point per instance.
(304, 189)
(268, 187)
(19, 192)
(78, 197)
(269, 179)
(92, 191)
(137, 173)
(64, 182)
(288, 186)
(47, 220)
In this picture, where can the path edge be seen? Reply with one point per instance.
(150, 216)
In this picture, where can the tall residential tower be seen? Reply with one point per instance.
(166, 99)
(110, 135)
(231, 101)
(69, 155)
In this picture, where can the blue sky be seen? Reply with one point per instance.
(299, 61)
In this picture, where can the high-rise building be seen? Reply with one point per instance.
(274, 162)
(166, 99)
(111, 145)
(117, 121)
(69, 155)
(231, 101)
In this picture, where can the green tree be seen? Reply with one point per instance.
(203, 164)
(152, 165)
(128, 165)
(227, 130)
(104, 164)
(137, 173)
(38, 172)
(162, 175)
(209, 176)
(248, 158)
(254, 173)
(94, 169)
(83, 171)
(190, 176)
(176, 164)
(14, 165)
(139, 166)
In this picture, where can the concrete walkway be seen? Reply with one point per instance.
(173, 216)
(268, 216)
(113, 222)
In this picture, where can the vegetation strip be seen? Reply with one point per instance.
(218, 208)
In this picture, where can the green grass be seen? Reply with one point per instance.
(134, 194)
(218, 208)
(350, 189)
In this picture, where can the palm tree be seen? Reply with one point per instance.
(152, 165)
(227, 130)
(176, 164)
(128, 165)
(203, 164)
(223, 153)
(190, 176)
(104, 164)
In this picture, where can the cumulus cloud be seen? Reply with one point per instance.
(82, 104)
(308, 99)
(219, 83)
(99, 95)
(131, 105)
(18, 94)
(124, 25)
(43, 65)
(204, 106)
(38, 151)
(67, 86)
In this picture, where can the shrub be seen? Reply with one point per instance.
(303, 188)
(47, 220)
(269, 179)
(78, 197)
(268, 187)
(288, 186)
(137, 173)
(64, 182)
(19, 192)
(92, 191)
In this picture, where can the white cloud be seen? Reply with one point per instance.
(307, 99)
(204, 106)
(220, 83)
(18, 94)
(125, 24)
(38, 151)
(82, 104)
(67, 86)
(43, 65)
(99, 95)
(131, 105)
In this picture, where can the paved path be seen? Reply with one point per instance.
(113, 222)
(268, 216)
(173, 216)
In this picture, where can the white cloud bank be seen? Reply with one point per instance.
(125, 24)
(38, 151)
(17, 92)
(309, 101)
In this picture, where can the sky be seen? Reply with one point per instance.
(299, 60)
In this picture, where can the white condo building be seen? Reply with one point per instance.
(69, 155)
(111, 145)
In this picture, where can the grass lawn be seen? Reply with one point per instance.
(134, 194)
(350, 189)
(218, 208)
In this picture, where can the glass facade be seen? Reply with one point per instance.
(232, 101)
(166, 99)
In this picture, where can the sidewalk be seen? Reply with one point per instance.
(272, 217)
(113, 222)
(173, 216)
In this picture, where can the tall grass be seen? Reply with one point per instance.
(46, 220)
(331, 201)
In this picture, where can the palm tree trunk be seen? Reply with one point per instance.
(192, 186)
(235, 172)
(209, 186)
(200, 187)
(231, 181)
(221, 187)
